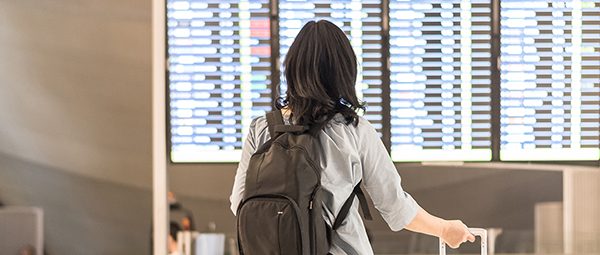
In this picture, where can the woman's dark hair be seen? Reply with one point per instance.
(320, 69)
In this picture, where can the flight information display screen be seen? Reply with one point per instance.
(361, 21)
(550, 80)
(440, 60)
(219, 75)
(440, 80)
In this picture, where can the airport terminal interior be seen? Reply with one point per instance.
(122, 123)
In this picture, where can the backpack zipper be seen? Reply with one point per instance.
(311, 230)
(311, 227)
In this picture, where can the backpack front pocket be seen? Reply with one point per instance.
(269, 226)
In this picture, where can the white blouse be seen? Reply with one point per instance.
(349, 154)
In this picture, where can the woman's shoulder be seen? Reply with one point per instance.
(259, 125)
(339, 129)
(362, 125)
(259, 121)
(365, 125)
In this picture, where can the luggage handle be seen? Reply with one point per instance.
(476, 232)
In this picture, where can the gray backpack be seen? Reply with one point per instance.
(281, 212)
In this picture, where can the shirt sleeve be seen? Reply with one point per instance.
(249, 147)
(382, 181)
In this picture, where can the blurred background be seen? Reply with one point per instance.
(494, 103)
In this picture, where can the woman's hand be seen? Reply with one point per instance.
(452, 232)
(455, 232)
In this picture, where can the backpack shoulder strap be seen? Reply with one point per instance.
(357, 192)
(363, 202)
(274, 119)
(277, 126)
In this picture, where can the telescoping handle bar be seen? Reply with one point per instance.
(476, 232)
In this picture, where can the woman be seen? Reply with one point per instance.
(321, 69)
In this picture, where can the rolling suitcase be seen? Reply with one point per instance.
(476, 232)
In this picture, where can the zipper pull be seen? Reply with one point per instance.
(310, 205)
